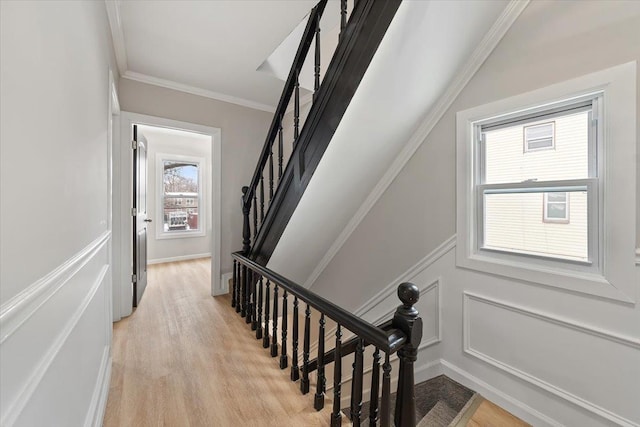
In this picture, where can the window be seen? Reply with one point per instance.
(180, 196)
(556, 207)
(539, 137)
(540, 182)
(512, 185)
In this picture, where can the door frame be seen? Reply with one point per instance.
(123, 192)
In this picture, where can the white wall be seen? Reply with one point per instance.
(55, 296)
(243, 131)
(165, 141)
(550, 356)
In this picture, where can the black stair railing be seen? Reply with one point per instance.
(400, 335)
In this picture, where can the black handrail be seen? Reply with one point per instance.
(298, 62)
(388, 341)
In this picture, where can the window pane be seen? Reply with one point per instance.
(539, 131)
(506, 158)
(516, 222)
(181, 189)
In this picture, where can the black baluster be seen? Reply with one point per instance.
(356, 397)
(255, 216)
(243, 311)
(304, 382)
(233, 284)
(246, 228)
(280, 150)
(408, 321)
(254, 301)
(295, 371)
(270, 174)
(261, 199)
(296, 111)
(336, 416)
(274, 332)
(259, 322)
(283, 344)
(343, 15)
(265, 338)
(385, 407)
(318, 402)
(238, 286)
(375, 387)
(249, 297)
(316, 84)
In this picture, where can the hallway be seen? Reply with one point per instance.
(184, 358)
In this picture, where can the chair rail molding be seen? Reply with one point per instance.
(532, 379)
(15, 312)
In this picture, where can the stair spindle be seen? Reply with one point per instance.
(385, 407)
(238, 286)
(318, 402)
(296, 110)
(255, 215)
(249, 317)
(375, 386)
(261, 199)
(295, 371)
(270, 174)
(259, 320)
(283, 344)
(274, 333)
(343, 15)
(316, 84)
(243, 311)
(266, 338)
(336, 415)
(233, 285)
(304, 382)
(280, 149)
(356, 397)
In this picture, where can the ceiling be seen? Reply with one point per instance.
(211, 48)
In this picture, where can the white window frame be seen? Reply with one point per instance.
(611, 273)
(202, 226)
(527, 149)
(545, 209)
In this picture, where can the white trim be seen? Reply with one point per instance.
(638, 256)
(531, 379)
(125, 196)
(24, 394)
(480, 54)
(611, 275)
(224, 283)
(98, 404)
(496, 396)
(21, 307)
(117, 34)
(178, 258)
(169, 84)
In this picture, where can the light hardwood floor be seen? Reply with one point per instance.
(184, 358)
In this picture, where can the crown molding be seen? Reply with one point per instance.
(117, 34)
(169, 84)
(480, 54)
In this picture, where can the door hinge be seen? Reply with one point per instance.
(134, 278)
(134, 212)
(134, 145)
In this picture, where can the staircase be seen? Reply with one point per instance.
(261, 296)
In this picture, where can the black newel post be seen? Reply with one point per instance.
(408, 321)
(246, 227)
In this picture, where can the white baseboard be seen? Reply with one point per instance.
(224, 284)
(496, 396)
(178, 258)
(95, 415)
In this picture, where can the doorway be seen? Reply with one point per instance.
(170, 203)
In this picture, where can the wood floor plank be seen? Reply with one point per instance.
(184, 358)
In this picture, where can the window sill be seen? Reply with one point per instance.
(180, 234)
